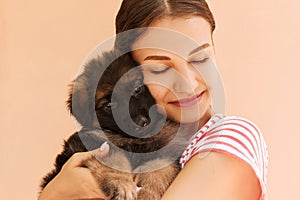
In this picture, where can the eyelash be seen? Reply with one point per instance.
(160, 72)
(200, 61)
(204, 60)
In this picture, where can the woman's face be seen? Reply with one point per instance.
(172, 58)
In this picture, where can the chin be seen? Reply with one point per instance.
(190, 119)
(188, 115)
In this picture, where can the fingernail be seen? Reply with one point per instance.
(103, 146)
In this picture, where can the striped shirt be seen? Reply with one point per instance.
(233, 135)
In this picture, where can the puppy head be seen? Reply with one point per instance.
(123, 101)
(81, 100)
(118, 101)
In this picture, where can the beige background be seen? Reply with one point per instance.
(43, 43)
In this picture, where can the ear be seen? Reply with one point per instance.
(69, 99)
(81, 101)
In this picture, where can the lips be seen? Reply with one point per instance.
(186, 102)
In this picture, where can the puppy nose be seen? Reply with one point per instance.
(143, 121)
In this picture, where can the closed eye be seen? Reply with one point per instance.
(155, 68)
(159, 70)
(204, 60)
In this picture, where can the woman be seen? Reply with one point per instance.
(235, 167)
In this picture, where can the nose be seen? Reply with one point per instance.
(187, 79)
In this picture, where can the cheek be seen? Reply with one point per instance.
(160, 86)
(158, 92)
(208, 73)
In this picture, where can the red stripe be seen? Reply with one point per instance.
(261, 179)
(212, 132)
(230, 121)
(242, 134)
(220, 117)
(234, 139)
(262, 152)
(226, 152)
(197, 137)
(262, 149)
(220, 142)
(255, 138)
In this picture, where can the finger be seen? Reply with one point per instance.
(101, 152)
(77, 158)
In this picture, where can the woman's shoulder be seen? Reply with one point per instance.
(215, 171)
(229, 134)
(233, 122)
(240, 122)
(235, 136)
(240, 129)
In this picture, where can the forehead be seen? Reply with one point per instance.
(175, 34)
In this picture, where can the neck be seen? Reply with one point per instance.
(191, 128)
(204, 119)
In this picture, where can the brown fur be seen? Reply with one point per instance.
(123, 169)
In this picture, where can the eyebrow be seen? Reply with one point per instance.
(157, 58)
(203, 46)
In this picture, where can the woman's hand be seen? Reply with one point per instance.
(75, 181)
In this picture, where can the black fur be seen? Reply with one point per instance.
(90, 102)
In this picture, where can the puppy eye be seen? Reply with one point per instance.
(109, 106)
(138, 90)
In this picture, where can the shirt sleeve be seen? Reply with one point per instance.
(240, 138)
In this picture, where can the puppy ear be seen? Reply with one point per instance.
(69, 99)
(81, 101)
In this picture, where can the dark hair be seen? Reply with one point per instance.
(141, 13)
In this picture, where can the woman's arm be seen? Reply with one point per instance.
(214, 177)
(74, 181)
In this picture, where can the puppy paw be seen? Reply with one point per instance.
(155, 183)
(119, 187)
(116, 184)
(145, 194)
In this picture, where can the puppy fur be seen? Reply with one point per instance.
(90, 102)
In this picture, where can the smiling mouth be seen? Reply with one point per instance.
(188, 101)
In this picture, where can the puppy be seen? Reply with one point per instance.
(119, 109)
